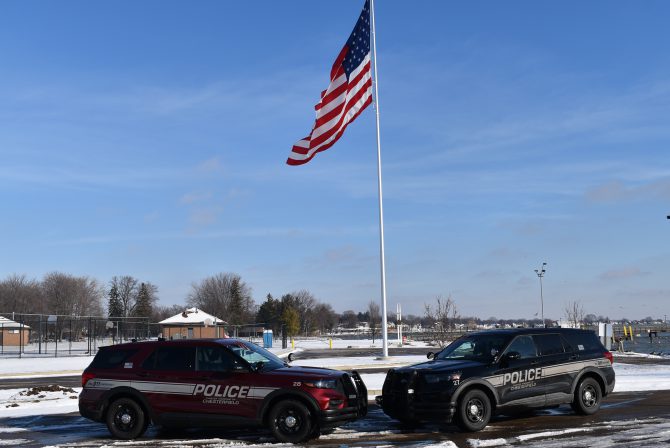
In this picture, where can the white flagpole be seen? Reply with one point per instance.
(385, 350)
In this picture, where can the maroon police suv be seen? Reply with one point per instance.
(215, 382)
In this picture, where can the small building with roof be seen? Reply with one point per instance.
(13, 333)
(193, 323)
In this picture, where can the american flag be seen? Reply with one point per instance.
(349, 93)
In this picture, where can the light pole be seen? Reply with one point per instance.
(540, 273)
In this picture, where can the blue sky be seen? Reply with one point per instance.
(150, 139)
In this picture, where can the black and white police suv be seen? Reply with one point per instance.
(499, 371)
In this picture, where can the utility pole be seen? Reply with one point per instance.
(540, 273)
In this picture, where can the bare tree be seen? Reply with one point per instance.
(349, 319)
(224, 295)
(305, 303)
(574, 312)
(127, 288)
(20, 295)
(375, 318)
(324, 318)
(66, 295)
(162, 312)
(442, 315)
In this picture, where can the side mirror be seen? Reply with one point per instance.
(430, 355)
(290, 357)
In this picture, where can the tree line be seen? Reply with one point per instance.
(224, 295)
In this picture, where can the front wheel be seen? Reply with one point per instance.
(474, 411)
(587, 397)
(290, 421)
(126, 419)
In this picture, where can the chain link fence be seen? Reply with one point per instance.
(60, 335)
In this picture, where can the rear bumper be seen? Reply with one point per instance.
(92, 411)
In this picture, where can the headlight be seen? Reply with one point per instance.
(322, 384)
(434, 378)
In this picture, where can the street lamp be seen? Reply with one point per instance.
(540, 273)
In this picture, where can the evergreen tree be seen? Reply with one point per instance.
(269, 313)
(143, 307)
(115, 307)
(291, 321)
(236, 308)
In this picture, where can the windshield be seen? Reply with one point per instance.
(481, 347)
(253, 354)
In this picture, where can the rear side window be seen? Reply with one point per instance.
(581, 341)
(524, 346)
(171, 358)
(549, 344)
(111, 358)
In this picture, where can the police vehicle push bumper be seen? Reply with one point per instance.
(357, 395)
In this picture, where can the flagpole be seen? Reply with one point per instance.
(385, 349)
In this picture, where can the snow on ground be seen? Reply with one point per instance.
(632, 377)
(351, 343)
(638, 433)
(24, 402)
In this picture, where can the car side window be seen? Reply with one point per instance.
(549, 344)
(215, 359)
(171, 358)
(524, 346)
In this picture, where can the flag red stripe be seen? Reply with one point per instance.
(316, 141)
(294, 162)
(341, 124)
(334, 132)
(326, 117)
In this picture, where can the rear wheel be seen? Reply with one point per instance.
(290, 421)
(587, 397)
(126, 419)
(474, 411)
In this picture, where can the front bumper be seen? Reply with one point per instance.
(357, 400)
(408, 409)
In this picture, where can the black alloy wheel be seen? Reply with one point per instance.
(587, 397)
(290, 421)
(474, 411)
(126, 419)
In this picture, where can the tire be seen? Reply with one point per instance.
(126, 419)
(587, 397)
(473, 411)
(291, 422)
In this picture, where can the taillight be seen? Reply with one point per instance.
(85, 377)
(609, 356)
